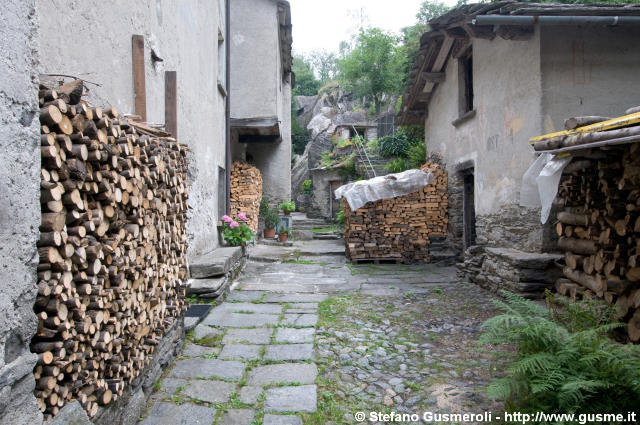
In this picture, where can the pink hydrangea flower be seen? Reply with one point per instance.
(242, 217)
(226, 219)
(233, 224)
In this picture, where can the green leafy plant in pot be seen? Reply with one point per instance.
(283, 235)
(271, 219)
(287, 207)
(236, 232)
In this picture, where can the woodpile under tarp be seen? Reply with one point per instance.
(112, 249)
(246, 192)
(398, 228)
(598, 225)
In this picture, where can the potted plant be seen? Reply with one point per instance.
(287, 207)
(283, 235)
(236, 232)
(271, 219)
(306, 186)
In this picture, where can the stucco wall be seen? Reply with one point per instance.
(19, 209)
(588, 71)
(255, 71)
(258, 89)
(507, 101)
(93, 40)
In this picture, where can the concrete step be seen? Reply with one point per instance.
(215, 263)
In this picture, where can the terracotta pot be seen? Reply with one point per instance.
(286, 212)
(282, 237)
(269, 233)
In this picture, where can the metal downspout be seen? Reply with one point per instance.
(227, 106)
(554, 20)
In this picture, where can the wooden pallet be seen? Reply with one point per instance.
(377, 260)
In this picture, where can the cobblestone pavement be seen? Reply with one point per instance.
(314, 340)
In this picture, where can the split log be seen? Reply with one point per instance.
(575, 122)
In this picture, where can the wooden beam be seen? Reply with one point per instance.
(245, 138)
(434, 77)
(171, 102)
(139, 85)
(441, 59)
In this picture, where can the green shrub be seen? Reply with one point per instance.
(349, 165)
(560, 370)
(271, 219)
(373, 146)
(417, 155)
(340, 215)
(326, 158)
(288, 206)
(398, 165)
(396, 145)
(306, 185)
(264, 206)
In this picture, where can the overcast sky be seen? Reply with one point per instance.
(319, 25)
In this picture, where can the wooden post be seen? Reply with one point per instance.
(171, 102)
(139, 86)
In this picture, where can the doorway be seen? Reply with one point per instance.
(468, 208)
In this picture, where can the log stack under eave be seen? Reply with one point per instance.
(246, 192)
(112, 249)
(399, 228)
(599, 229)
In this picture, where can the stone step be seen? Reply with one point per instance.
(215, 263)
(443, 258)
(326, 237)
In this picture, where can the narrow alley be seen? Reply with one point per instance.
(305, 337)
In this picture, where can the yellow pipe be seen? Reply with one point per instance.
(601, 126)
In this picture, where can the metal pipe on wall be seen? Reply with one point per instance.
(554, 20)
(227, 106)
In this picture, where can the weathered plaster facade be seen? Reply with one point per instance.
(523, 88)
(19, 210)
(95, 43)
(261, 88)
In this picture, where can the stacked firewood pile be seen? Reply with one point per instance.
(246, 192)
(398, 228)
(599, 229)
(112, 249)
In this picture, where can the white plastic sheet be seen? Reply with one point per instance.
(548, 181)
(540, 183)
(384, 187)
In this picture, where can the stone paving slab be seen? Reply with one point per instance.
(254, 308)
(209, 391)
(203, 331)
(295, 298)
(237, 417)
(195, 350)
(207, 368)
(249, 394)
(171, 385)
(291, 399)
(305, 320)
(245, 295)
(281, 420)
(295, 336)
(185, 414)
(239, 320)
(289, 352)
(248, 336)
(240, 351)
(302, 373)
(281, 287)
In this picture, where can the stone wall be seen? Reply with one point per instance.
(19, 209)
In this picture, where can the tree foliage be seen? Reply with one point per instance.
(306, 82)
(324, 64)
(372, 66)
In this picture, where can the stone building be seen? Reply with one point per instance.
(261, 91)
(490, 76)
(165, 61)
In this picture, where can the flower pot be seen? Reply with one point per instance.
(286, 212)
(269, 233)
(282, 237)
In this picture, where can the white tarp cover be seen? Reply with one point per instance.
(384, 187)
(540, 183)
